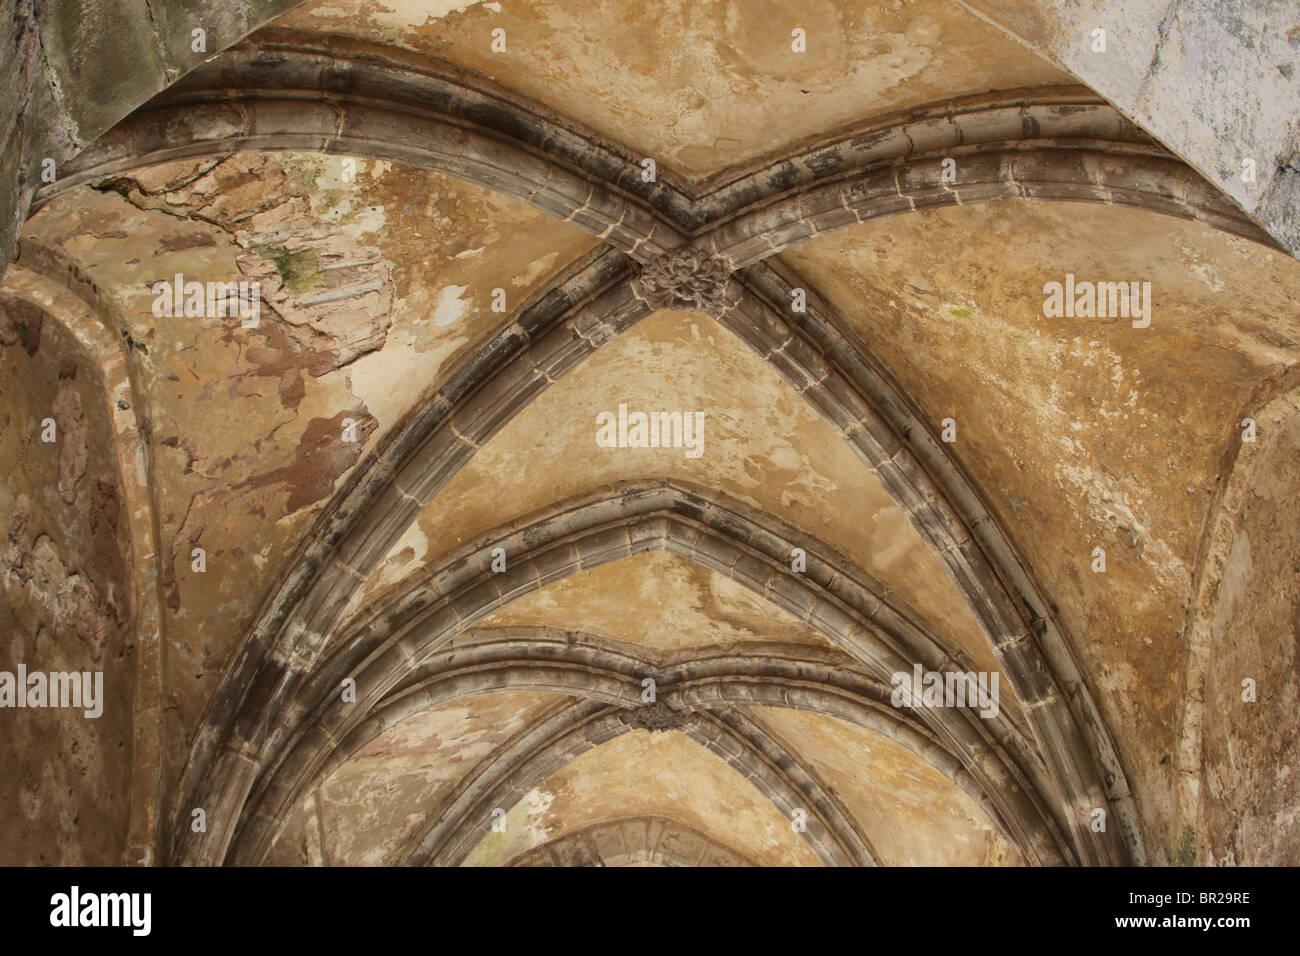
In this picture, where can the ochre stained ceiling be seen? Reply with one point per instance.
(372, 587)
(664, 78)
(1093, 433)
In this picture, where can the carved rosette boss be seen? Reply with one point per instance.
(687, 280)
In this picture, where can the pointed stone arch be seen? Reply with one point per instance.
(416, 619)
(451, 832)
(654, 841)
(610, 674)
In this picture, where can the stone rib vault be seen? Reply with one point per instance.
(385, 574)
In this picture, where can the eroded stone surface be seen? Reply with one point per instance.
(65, 599)
(1249, 759)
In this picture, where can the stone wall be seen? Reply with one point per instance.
(1215, 82)
(65, 599)
(1248, 809)
(73, 68)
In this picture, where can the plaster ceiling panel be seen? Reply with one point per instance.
(912, 814)
(762, 444)
(664, 77)
(371, 292)
(643, 773)
(376, 801)
(1082, 433)
(657, 600)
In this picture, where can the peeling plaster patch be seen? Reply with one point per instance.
(785, 459)
(1201, 265)
(415, 545)
(536, 803)
(1205, 272)
(915, 815)
(536, 269)
(320, 458)
(332, 294)
(1110, 505)
(451, 306)
(898, 57)
(331, 198)
(392, 381)
(399, 14)
(419, 761)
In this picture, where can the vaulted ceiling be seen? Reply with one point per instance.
(367, 587)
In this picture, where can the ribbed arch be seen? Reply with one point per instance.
(284, 93)
(418, 619)
(610, 673)
(631, 841)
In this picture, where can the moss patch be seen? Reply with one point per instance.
(1186, 852)
(299, 270)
